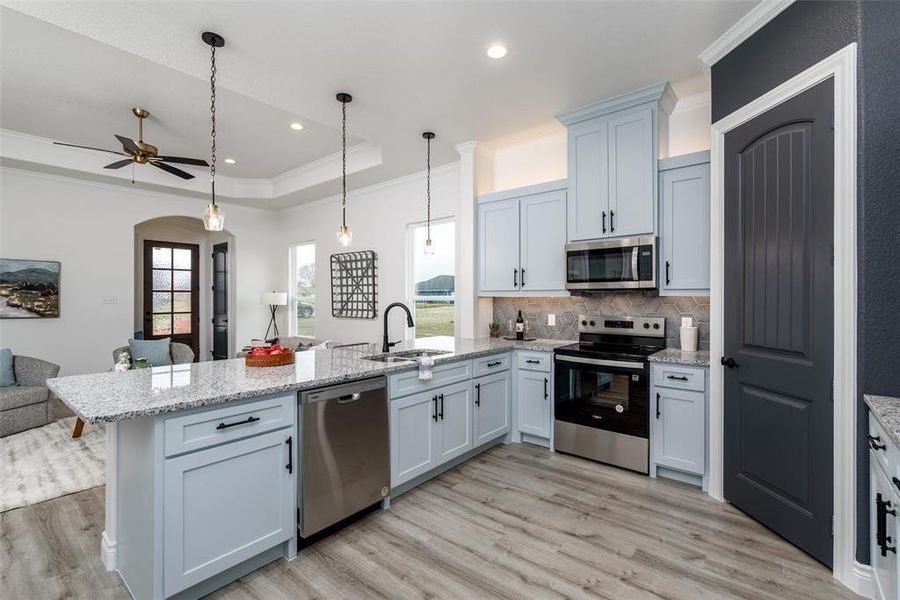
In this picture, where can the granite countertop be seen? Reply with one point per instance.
(887, 410)
(675, 356)
(109, 397)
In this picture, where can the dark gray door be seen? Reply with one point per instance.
(779, 178)
(220, 301)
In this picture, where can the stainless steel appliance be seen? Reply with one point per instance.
(612, 264)
(344, 452)
(602, 390)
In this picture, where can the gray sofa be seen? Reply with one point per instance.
(181, 353)
(26, 404)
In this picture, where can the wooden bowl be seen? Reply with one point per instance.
(269, 360)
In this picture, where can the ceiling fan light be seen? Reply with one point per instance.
(213, 219)
(344, 236)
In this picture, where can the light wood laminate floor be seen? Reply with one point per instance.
(516, 522)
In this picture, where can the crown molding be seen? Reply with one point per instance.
(660, 93)
(749, 24)
(693, 102)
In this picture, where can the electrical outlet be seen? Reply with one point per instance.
(109, 300)
(551, 320)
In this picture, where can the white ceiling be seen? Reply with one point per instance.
(411, 66)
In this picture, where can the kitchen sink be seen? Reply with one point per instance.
(405, 355)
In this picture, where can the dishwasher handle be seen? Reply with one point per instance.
(344, 393)
(349, 398)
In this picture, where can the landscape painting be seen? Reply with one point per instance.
(29, 289)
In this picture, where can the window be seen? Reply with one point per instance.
(303, 289)
(432, 278)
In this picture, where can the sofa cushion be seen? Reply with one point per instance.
(14, 397)
(155, 351)
(7, 375)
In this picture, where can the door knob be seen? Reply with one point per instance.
(729, 362)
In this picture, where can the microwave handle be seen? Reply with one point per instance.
(634, 262)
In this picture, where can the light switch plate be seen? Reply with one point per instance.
(109, 300)
(551, 320)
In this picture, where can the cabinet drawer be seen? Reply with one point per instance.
(534, 361)
(491, 364)
(210, 427)
(678, 377)
(408, 382)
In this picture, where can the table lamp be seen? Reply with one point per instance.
(273, 300)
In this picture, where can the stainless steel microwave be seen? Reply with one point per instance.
(612, 264)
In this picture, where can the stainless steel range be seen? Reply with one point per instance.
(602, 397)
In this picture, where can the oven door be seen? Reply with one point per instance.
(621, 264)
(605, 394)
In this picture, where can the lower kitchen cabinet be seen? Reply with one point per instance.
(884, 526)
(492, 402)
(225, 505)
(413, 433)
(535, 403)
(678, 409)
(454, 423)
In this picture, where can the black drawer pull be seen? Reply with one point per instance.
(546, 394)
(657, 405)
(875, 442)
(249, 420)
(434, 412)
(441, 413)
(533, 362)
(495, 363)
(676, 377)
(477, 394)
(290, 445)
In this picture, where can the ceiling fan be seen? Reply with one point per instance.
(142, 153)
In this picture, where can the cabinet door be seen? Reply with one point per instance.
(588, 181)
(492, 396)
(884, 567)
(413, 432)
(454, 421)
(679, 429)
(632, 174)
(498, 246)
(225, 505)
(534, 403)
(543, 242)
(684, 235)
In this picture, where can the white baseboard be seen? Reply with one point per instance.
(861, 581)
(108, 552)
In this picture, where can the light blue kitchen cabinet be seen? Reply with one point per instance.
(413, 436)
(521, 241)
(613, 147)
(678, 422)
(492, 406)
(225, 505)
(684, 189)
(535, 403)
(454, 424)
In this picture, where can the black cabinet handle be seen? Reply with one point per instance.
(515, 278)
(495, 363)
(249, 420)
(290, 445)
(533, 362)
(728, 362)
(677, 378)
(604, 221)
(611, 226)
(896, 482)
(441, 414)
(875, 442)
(477, 394)
(434, 409)
(657, 405)
(523, 277)
(667, 273)
(546, 393)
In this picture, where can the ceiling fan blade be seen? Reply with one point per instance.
(89, 148)
(172, 170)
(198, 162)
(119, 164)
(128, 144)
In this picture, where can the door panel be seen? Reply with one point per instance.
(684, 195)
(631, 174)
(779, 175)
(498, 238)
(534, 403)
(455, 421)
(679, 430)
(220, 301)
(588, 181)
(543, 242)
(492, 396)
(412, 436)
(172, 293)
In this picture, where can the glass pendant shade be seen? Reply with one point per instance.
(429, 247)
(213, 220)
(344, 235)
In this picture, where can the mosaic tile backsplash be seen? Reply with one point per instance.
(633, 304)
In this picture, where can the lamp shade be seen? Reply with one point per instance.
(273, 298)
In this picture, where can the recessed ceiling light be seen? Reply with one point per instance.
(497, 50)
(230, 161)
(296, 126)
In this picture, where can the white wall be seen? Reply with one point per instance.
(378, 217)
(89, 228)
(689, 125)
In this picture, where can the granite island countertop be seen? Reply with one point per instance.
(110, 397)
(675, 356)
(887, 410)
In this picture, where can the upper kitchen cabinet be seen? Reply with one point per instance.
(613, 147)
(684, 225)
(521, 241)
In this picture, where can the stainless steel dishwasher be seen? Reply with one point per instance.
(345, 457)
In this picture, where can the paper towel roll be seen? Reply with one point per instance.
(689, 339)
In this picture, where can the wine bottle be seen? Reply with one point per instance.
(520, 327)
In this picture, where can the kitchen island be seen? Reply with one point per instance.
(201, 484)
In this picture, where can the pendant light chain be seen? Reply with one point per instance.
(212, 112)
(344, 163)
(428, 183)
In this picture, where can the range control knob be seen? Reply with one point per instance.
(656, 326)
(584, 322)
(592, 323)
(646, 325)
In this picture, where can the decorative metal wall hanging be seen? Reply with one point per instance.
(353, 285)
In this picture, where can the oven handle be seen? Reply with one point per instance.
(600, 362)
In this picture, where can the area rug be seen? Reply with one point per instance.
(45, 462)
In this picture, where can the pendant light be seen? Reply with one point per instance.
(344, 235)
(213, 219)
(429, 247)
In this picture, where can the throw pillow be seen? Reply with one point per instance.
(155, 351)
(7, 375)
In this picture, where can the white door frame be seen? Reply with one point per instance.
(842, 67)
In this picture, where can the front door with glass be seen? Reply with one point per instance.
(171, 293)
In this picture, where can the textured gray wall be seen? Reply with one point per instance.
(634, 304)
